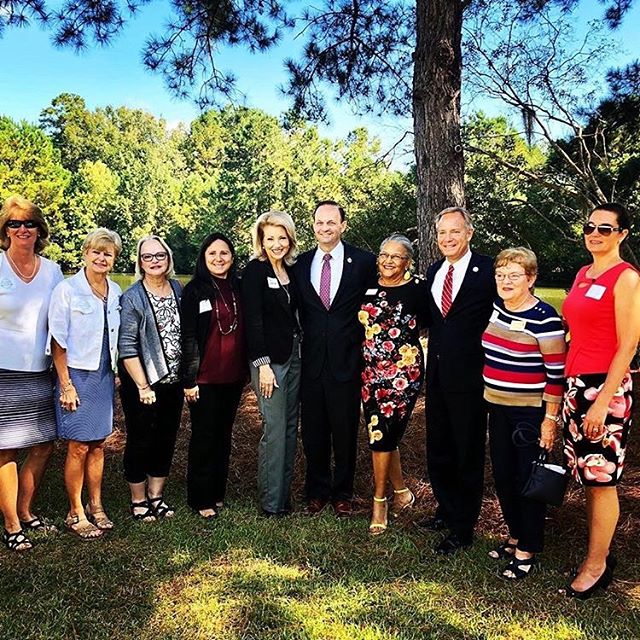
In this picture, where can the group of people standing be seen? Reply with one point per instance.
(318, 334)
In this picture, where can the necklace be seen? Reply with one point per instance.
(234, 322)
(97, 292)
(22, 275)
(160, 291)
(528, 302)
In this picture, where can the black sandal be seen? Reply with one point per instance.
(147, 515)
(517, 567)
(13, 541)
(160, 508)
(505, 550)
(41, 525)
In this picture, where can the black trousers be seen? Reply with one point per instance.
(513, 443)
(330, 413)
(212, 419)
(456, 436)
(151, 429)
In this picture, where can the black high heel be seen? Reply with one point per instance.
(601, 583)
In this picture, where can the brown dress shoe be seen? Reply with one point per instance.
(343, 508)
(315, 506)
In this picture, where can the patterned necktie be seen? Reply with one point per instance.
(325, 281)
(447, 292)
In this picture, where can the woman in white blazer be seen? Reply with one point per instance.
(84, 317)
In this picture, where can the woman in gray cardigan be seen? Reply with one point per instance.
(152, 397)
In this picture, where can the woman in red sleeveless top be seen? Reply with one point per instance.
(603, 313)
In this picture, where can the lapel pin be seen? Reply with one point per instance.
(475, 269)
(349, 260)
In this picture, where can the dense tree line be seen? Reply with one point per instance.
(124, 169)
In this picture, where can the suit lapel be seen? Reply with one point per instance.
(347, 274)
(306, 259)
(472, 274)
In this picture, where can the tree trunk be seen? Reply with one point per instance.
(436, 116)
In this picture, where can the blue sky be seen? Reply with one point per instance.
(33, 72)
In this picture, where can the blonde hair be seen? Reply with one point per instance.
(100, 237)
(18, 203)
(520, 255)
(277, 219)
(170, 272)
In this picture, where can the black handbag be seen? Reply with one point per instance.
(547, 482)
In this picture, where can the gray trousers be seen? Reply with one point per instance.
(277, 448)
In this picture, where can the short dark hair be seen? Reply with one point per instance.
(623, 219)
(202, 273)
(332, 203)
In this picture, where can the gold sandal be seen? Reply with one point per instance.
(407, 505)
(378, 528)
(81, 527)
(99, 519)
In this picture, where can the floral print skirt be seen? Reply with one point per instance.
(596, 462)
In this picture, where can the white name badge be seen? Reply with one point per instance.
(205, 305)
(371, 292)
(273, 283)
(494, 316)
(517, 325)
(595, 291)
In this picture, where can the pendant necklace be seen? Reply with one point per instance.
(234, 322)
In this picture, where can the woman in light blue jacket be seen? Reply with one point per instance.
(84, 317)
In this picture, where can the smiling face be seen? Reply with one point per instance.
(393, 261)
(598, 244)
(275, 242)
(513, 283)
(327, 226)
(453, 236)
(21, 238)
(99, 259)
(151, 261)
(218, 258)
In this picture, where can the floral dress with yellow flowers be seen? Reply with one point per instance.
(393, 359)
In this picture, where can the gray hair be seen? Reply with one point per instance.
(400, 239)
(461, 210)
(170, 272)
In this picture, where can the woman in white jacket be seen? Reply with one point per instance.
(83, 324)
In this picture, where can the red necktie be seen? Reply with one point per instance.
(325, 281)
(447, 292)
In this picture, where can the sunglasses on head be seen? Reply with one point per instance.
(603, 229)
(27, 224)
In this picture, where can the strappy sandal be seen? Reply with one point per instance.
(378, 528)
(160, 508)
(504, 550)
(81, 527)
(41, 525)
(519, 568)
(143, 516)
(99, 518)
(407, 505)
(17, 541)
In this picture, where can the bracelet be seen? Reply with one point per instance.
(66, 387)
(556, 418)
(146, 386)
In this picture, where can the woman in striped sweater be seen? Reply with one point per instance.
(524, 349)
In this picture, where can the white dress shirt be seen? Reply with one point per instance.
(459, 271)
(76, 321)
(337, 264)
(23, 316)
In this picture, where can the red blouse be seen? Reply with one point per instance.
(589, 310)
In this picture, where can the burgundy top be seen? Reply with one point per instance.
(225, 357)
(589, 309)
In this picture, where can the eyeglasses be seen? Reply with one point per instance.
(603, 229)
(394, 257)
(149, 257)
(511, 277)
(27, 224)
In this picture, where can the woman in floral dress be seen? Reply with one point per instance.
(603, 313)
(393, 312)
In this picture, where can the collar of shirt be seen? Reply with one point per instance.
(337, 265)
(459, 271)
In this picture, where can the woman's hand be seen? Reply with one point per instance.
(192, 395)
(69, 400)
(548, 433)
(593, 423)
(147, 395)
(267, 381)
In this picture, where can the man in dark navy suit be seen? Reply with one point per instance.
(332, 280)
(462, 293)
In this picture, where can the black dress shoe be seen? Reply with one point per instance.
(432, 524)
(272, 514)
(601, 583)
(451, 544)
